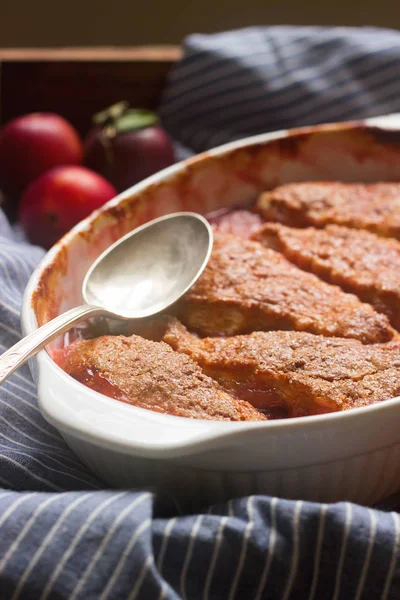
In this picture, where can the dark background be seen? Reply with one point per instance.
(116, 22)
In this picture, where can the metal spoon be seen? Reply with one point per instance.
(139, 276)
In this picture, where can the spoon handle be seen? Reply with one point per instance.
(35, 341)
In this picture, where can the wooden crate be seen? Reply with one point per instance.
(77, 82)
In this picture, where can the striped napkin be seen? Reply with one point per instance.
(62, 533)
(241, 83)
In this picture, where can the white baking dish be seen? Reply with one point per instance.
(353, 455)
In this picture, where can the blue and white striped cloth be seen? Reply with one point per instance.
(62, 535)
(241, 83)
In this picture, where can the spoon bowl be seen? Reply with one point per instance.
(149, 269)
(139, 276)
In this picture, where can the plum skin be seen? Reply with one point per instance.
(32, 144)
(59, 199)
(129, 157)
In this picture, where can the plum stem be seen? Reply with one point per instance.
(110, 114)
(120, 118)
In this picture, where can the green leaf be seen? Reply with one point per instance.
(135, 119)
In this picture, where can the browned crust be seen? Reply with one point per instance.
(374, 207)
(246, 287)
(359, 261)
(309, 374)
(151, 375)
